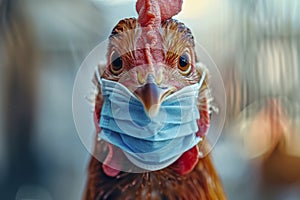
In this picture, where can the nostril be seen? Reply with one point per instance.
(140, 77)
(159, 78)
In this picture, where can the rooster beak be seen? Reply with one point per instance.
(151, 95)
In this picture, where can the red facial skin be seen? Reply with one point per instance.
(151, 15)
(186, 163)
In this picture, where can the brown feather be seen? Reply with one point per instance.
(202, 183)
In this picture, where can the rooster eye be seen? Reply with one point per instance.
(184, 63)
(116, 63)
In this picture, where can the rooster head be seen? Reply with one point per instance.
(154, 56)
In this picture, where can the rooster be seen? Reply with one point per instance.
(154, 57)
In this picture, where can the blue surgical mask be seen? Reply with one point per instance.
(150, 143)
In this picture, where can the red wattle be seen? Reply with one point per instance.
(114, 158)
(186, 163)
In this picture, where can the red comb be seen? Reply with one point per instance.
(153, 12)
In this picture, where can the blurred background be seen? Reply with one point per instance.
(255, 44)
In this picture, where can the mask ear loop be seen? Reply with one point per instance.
(202, 78)
(98, 75)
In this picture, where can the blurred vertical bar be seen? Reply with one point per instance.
(267, 58)
(19, 97)
(269, 42)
